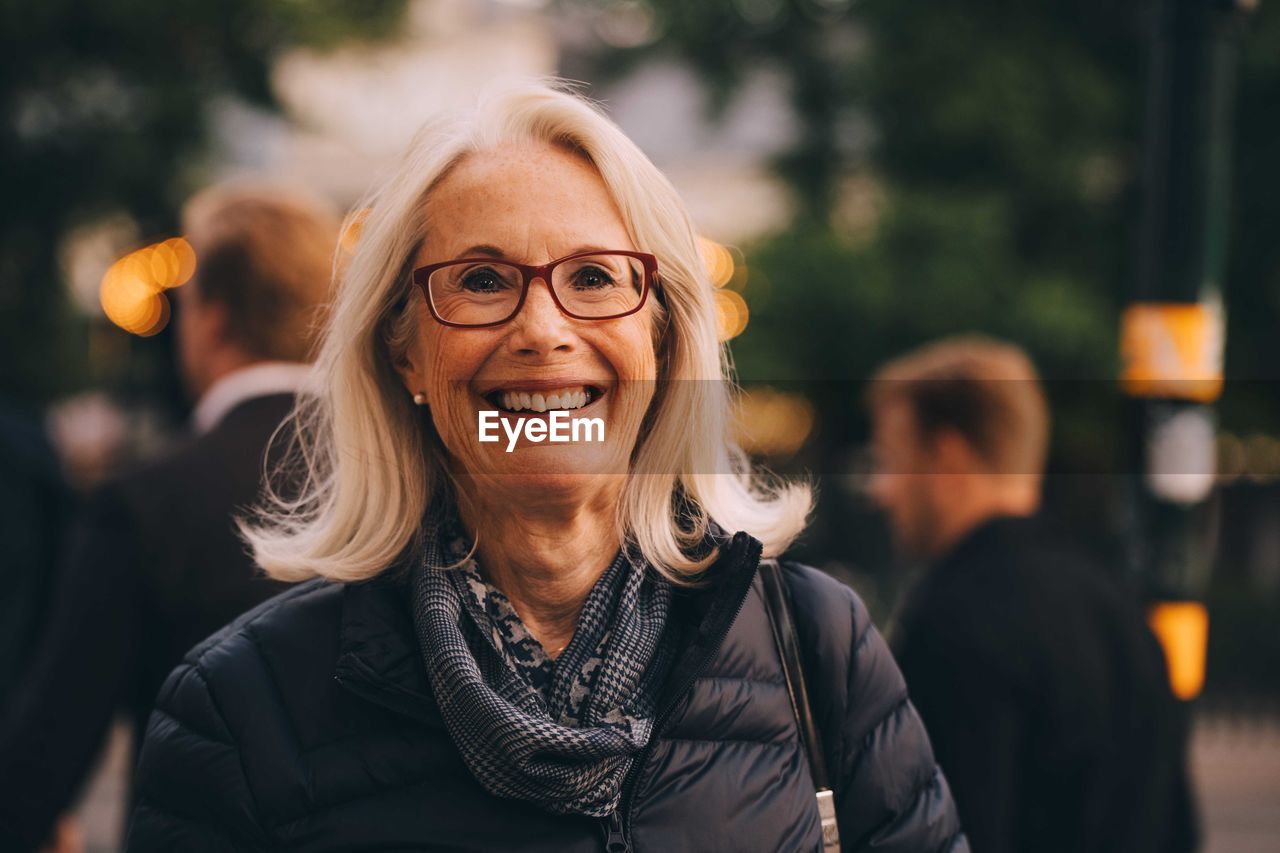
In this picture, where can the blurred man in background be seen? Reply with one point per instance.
(34, 505)
(155, 564)
(1044, 693)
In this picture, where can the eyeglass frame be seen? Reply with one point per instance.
(422, 278)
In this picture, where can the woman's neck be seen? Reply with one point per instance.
(544, 561)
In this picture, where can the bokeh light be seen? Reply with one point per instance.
(727, 273)
(132, 291)
(185, 259)
(1253, 458)
(1182, 628)
(718, 260)
(732, 313)
(1231, 457)
(352, 228)
(1262, 458)
(773, 423)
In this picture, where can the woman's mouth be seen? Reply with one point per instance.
(567, 398)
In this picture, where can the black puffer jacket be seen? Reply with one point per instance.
(309, 724)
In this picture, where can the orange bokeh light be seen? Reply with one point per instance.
(771, 422)
(1182, 627)
(352, 229)
(732, 313)
(718, 260)
(132, 289)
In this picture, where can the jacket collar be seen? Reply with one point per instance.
(987, 538)
(379, 659)
(261, 379)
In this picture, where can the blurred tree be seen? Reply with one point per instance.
(957, 168)
(988, 154)
(104, 107)
(1006, 139)
(1252, 288)
(1005, 143)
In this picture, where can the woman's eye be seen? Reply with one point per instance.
(593, 278)
(483, 281)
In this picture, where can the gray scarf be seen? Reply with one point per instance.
(561, 734)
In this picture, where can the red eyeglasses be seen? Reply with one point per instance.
(477, 292)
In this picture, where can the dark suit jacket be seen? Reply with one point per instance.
(154, 565)
(1046, 699)
(35, 505)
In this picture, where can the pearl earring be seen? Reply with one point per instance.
(420, 399)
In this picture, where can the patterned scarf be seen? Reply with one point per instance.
(561, 734)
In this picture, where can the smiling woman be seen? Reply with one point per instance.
(549, 645)
(524, 301)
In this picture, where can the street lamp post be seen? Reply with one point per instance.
(1173, 330)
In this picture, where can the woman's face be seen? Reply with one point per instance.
(530, 204)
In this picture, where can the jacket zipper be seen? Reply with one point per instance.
(617, 842)
(618, 819)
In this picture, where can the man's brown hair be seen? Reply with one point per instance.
(265, 254)
(984, 389)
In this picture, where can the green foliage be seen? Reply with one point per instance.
(827, 309)
(1007, 151)
(1008, 146)
(104, 106)
(1252, 286)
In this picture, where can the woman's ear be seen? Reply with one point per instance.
(409, 365)
(404, 348)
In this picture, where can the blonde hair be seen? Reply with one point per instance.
(264, 253)
(371, 468)
(986, 390)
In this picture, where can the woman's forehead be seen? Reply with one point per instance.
(526, 198)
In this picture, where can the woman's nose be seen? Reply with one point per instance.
(540, 327)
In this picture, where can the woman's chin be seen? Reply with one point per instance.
(550, 468)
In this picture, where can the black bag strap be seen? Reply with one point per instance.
(777, 601)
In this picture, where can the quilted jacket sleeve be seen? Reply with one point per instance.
(191, 793)
(890, 794)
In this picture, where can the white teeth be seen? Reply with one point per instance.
(565, 398)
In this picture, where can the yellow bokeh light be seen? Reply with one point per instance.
(732, 313)
(124, 293)
(124, 305)
(150, 311)
(352, 229)
(186, 259)
(163, 263)
(770, 422)
(718, 261)
(132, 289)
(137, 267)
(157, 317)
(1182, 627)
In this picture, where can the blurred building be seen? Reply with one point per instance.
(350, 112)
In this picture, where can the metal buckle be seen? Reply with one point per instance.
(827, 812)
